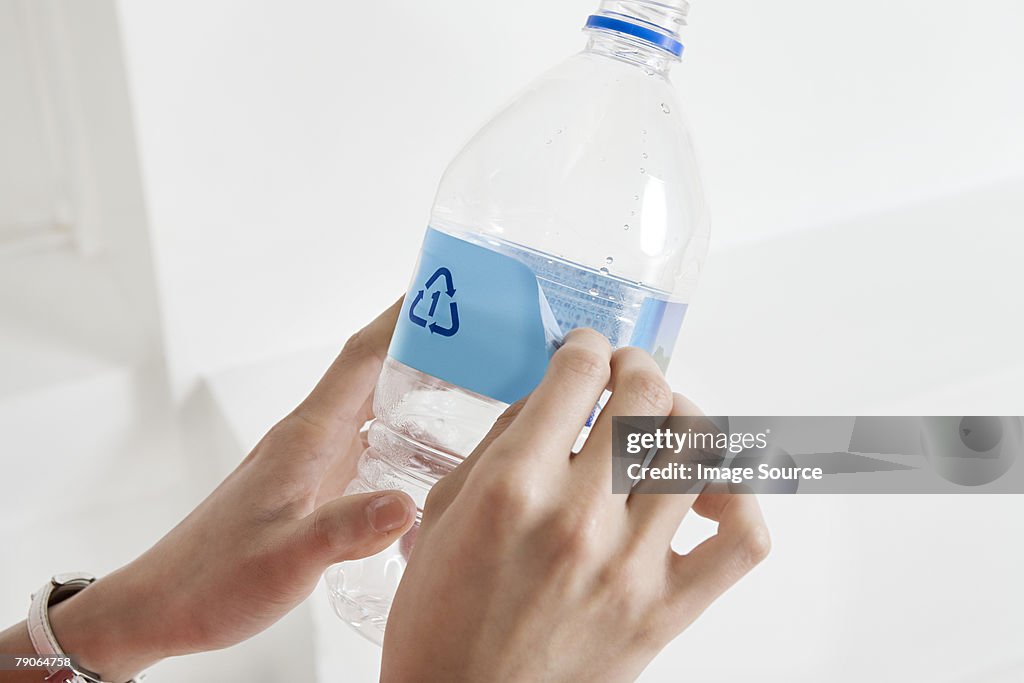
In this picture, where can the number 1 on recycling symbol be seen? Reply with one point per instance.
(428, 321)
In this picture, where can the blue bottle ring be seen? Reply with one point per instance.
(655, 38)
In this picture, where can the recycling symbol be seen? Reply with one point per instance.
(449, 316)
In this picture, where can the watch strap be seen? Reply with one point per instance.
(56, 590)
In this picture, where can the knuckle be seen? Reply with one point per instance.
(355, 344)
(573, 539)
(508, 496)
(648, 390)
(359, 345)
(617, 579)
(584, 363)
(755, 546)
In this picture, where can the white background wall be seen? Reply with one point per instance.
(28, 173)
(865, 169)
(280, 140)
(28, 188)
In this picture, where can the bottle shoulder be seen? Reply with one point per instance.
(593, 159)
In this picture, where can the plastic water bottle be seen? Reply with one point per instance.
(578, 205)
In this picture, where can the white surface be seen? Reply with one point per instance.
(914, 310)
(281, 140)
(814, 112)
(84, 331)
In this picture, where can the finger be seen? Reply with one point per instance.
(342, 470)
(657, 507)
(445, 491)
(742, 542)
(342, 398)
(353, 527)
(638, 388)
(560, 406)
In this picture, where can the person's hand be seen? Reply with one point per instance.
(528, 568)
(257, 546)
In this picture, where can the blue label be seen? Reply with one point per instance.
(480, 319)
(473, 319)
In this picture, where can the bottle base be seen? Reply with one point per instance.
(365, 612)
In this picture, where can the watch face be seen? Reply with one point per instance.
(66, 585)
(69, 577)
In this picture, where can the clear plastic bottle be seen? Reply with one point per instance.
(578, 205)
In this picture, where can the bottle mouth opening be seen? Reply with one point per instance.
(634, 28)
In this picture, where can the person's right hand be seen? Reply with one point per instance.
(528, 567)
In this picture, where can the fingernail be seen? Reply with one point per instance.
(387, 513)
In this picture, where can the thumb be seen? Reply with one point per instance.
(357, 526)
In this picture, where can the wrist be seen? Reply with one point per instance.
(107, 627)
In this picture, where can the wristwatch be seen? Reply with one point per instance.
(56, 590)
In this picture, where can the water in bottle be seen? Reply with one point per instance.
(578, 205)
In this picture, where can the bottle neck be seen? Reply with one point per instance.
(653, 60)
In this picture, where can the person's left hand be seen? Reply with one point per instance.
(257, 546)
